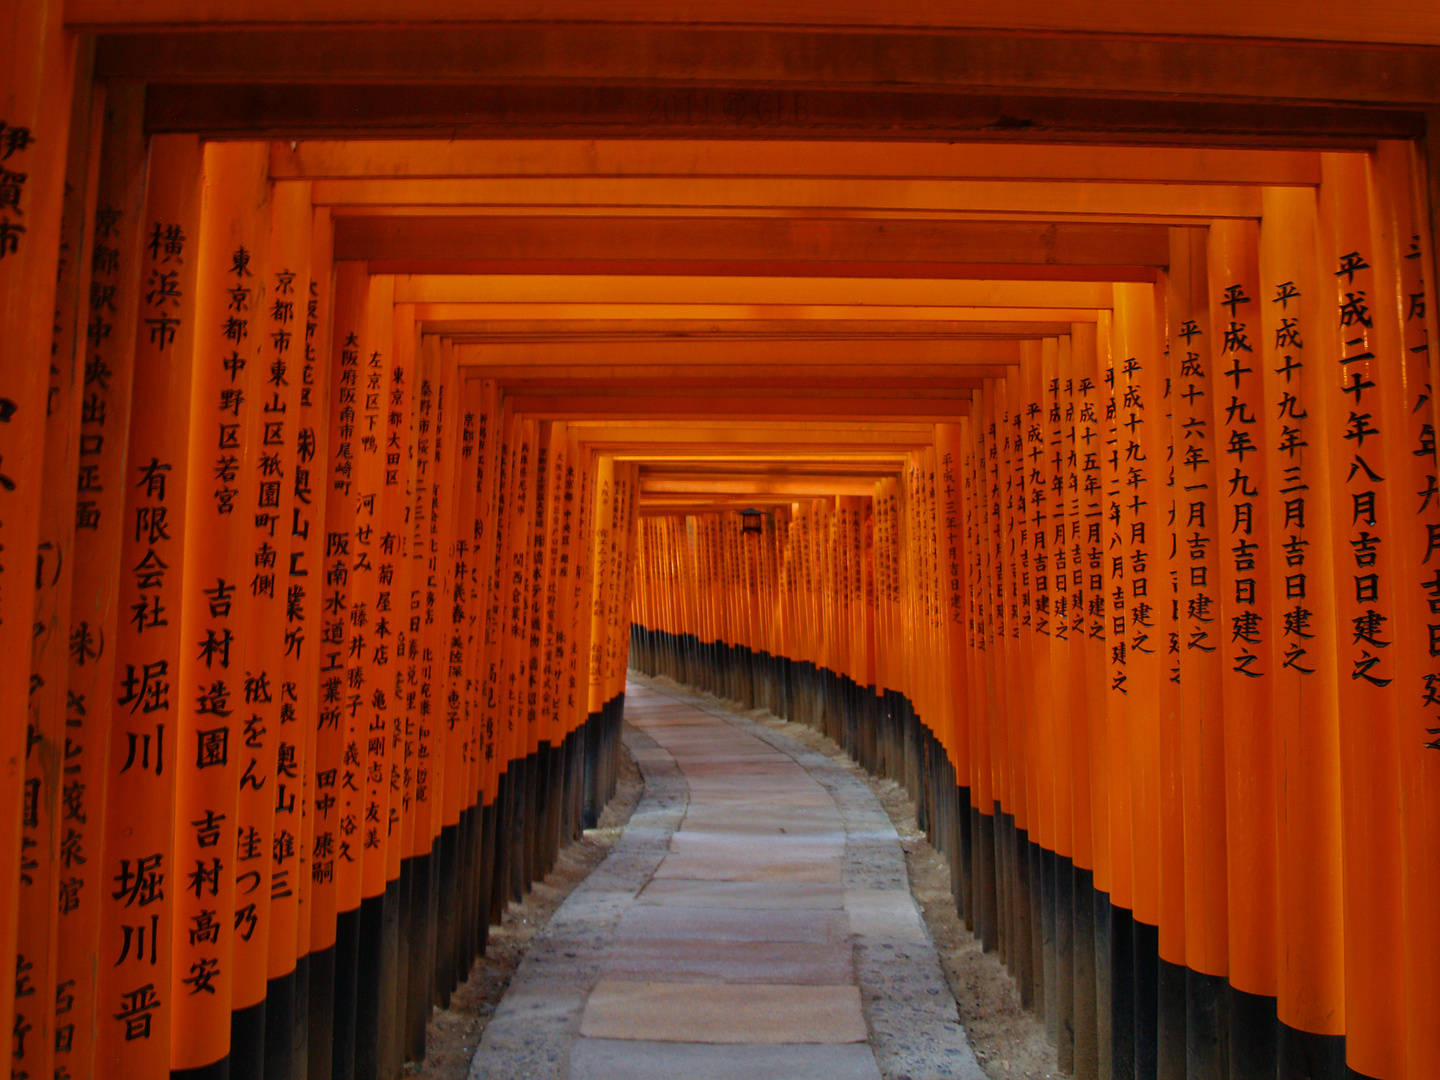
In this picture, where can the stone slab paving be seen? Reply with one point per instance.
(610, 1059)
(754, 921)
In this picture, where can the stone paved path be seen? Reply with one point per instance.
(753, 922)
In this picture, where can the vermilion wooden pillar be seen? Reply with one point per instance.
(1367, 503)
(997, 702)
(38, 57)
(340, 769)
(989, 782)
(382, 490)
(1141, 442)
(1025, 816)
(135, 805)
(1091, 356)
(1054, 526)
(1041, 745)
(108, 352)
(1311, 969)
(308, 544)
(1406, 324)
(1077, 435)
(288, 458)
(45, 845)
(481, 778)
(493, 722)
(1194, 386)
(261, 512)
(448, 772)
(578, 683)
(516, 568)
(1171, 978)
(1243, 426)
(213, 737)
(605, 493)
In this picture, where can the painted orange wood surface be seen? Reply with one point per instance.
(1123, 510)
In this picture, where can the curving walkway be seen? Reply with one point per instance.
(753, 922)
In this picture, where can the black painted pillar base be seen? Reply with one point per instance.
(1104, 985)
(1122, 994)
(1086, 1065)
(1145, 963)
(1303, 1055)
(247, 1042)
(368, 973)
(1254, 1048)
(485, 916)
(1064, 880)
(1207, 1043)
(987, 918)
(1170, 1036)
(1025, 903)
(420, 975)
(321, 1039)
(279, 1027)
(592, 763)
(471, 906)
(300, 1032)
(396, 993)
(447, 884)
(519, 823)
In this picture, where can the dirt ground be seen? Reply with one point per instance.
(1009, 1043)
(454, 1033)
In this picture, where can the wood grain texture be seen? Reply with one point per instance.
(1334, 20)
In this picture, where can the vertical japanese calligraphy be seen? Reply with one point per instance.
(212, 691)
(137, 887)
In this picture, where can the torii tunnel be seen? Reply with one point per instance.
(1036, 398)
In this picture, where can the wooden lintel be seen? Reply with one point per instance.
(476, 110)
(751, 291)
(769, 268)
(667, 507)
(474, 316)
(838, 246)
(748, 408)
(890, 203)
(476, 331)
(326, 159)
(759, 459)
(672, 438)
(750, 378)
(607, 393)
(743, 65)
(799, 487)
(767, 468)
(711, 352)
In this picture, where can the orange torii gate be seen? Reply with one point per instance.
(960, 434)
(1119, 503)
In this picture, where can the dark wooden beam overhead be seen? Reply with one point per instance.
(691, 470)
(346, 110)
(878, 354)
(675, 406)
(765, 246)
(814, 386)
(771, 268)
(779, 159)
(728, 79)
(642, 382)
(473, 331)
